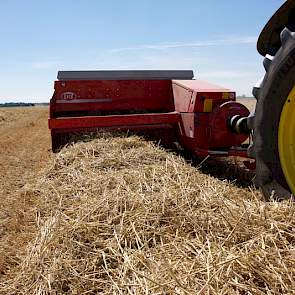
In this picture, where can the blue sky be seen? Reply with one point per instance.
(215, 38)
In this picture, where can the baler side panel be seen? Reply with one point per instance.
(195, 131)
(182, 98)
(135, 96)
(142, 106)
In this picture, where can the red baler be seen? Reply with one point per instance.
(169, 106)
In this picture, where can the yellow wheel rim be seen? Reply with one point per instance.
(287, 140)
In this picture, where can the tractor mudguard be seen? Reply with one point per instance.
(269, 41)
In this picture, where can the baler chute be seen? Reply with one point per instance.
(169, 106)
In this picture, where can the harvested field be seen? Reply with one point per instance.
(250, 103)
(24, 145)
(122, 216)
(118, 215)
(11, 114)
(24, 150)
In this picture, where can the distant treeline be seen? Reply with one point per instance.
(17, 104)
(244, 96)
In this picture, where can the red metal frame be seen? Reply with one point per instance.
(114, 121)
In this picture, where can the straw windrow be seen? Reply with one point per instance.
(123, 216)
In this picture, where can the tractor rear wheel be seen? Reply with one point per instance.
(274, 127)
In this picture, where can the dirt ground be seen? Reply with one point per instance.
(24, 150)
(24, 145)
(250, 103)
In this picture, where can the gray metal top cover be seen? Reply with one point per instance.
(126, 75)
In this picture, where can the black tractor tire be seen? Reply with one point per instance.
(271, 96)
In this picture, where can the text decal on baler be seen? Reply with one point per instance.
(68, 95)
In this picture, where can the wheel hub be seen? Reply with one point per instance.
(287, 140)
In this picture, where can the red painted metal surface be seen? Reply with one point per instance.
(112, 96)
(232, 152)
(219, 124)
(194, 113)
(113, 121)
(189, 95)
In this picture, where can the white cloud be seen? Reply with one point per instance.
(44, 65)
(226, 74)
(204, 43)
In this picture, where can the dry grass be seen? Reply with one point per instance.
(11, 114)
(122, 216)
(250, 103)
(6, 115)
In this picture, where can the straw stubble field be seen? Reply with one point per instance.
(119, 215)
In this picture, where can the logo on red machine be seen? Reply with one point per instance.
(68, 95)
